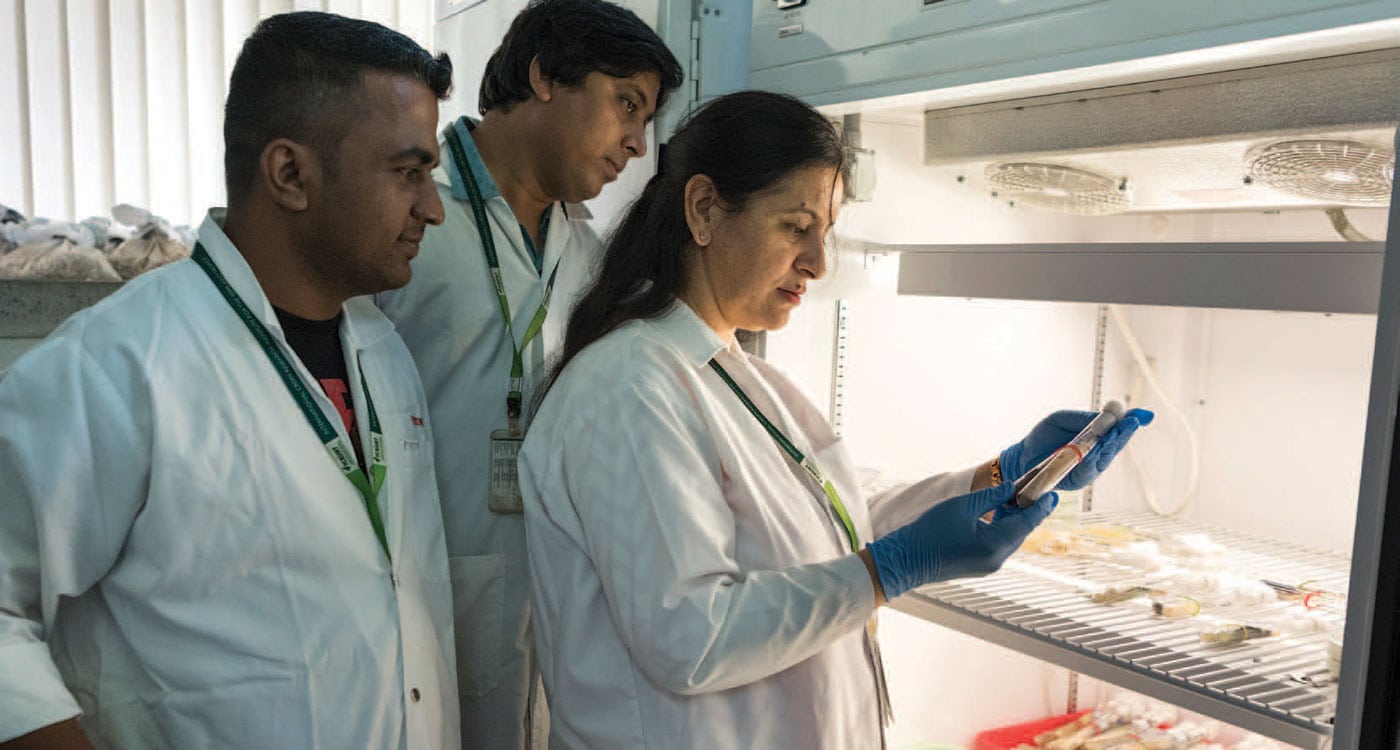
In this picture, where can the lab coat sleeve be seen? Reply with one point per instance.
(662, 539)
(74, 471)
(899, 506)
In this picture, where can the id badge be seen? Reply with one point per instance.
(505, 479)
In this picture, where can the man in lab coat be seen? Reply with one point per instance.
(565, 100)
(218, 519)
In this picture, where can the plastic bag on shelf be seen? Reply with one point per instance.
(107, 234)
(152, 244)
(56, 251)
(10, 221)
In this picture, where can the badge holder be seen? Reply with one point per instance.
(505, 477)
(505, 451)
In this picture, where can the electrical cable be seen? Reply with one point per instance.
(1344, 227)
(1147, 371)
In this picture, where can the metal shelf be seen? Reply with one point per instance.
(1336, 277)
(31, 308)
(1040, 605)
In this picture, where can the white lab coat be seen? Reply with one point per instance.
(691, 587)
(451, 320)
(179, 556)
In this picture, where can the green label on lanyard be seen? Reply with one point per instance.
(341, 453)
(488, 245)
(806, 462)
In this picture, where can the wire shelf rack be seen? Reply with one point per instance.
(1041, 605)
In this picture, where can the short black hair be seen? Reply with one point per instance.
(295, 73)
(573, 38)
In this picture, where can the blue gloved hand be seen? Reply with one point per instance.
(1059, 428)
(951, 541)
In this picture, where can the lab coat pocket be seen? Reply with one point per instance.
(478, 604)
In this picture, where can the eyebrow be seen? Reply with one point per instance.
(804, 210)
(423, 155)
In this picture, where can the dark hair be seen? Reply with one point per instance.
(294, 75)
(747, 143)
(573, 38)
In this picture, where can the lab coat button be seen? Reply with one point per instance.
(414, 695)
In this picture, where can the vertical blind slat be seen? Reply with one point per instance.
(121, 101)
(131, 173)
(416, 20)
(240, 16)
(50, 149)
(205, 74)
(345, 8)
(90, 103)
(166, 106)
(270, 7)
(16, 180)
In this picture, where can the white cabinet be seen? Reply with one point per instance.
(831, 52)
(1245, 266)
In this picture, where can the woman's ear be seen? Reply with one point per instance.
(702, 211)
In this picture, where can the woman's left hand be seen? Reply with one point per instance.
(1052, 432)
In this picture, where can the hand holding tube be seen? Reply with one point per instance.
(951, 541)
(1055, 431)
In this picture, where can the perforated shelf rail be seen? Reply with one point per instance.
(1040, 605)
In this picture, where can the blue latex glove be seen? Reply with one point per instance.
(951, 541)
(1059, 428)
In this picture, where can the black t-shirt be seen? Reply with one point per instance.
(317, 345)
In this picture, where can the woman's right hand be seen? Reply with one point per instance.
(951, 541)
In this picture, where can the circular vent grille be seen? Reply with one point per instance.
(1061, 188)
(1343, 171)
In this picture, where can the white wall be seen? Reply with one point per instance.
(120, 101)
(1278, 399)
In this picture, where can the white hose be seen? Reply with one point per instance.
(1147, 371)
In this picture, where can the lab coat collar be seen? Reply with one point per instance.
(362, 326)
(464, 127)
(489, 189)
(697, 341)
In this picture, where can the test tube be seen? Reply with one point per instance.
(1048, 473)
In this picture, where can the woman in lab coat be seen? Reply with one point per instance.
(704, 568)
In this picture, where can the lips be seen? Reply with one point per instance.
(412, 240)
(613, 169)
(792, 296)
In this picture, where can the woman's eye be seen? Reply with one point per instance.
(797, 230)
(629, 105)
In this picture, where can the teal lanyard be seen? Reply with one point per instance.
(341, 453)
(488, 245)
(805, 462)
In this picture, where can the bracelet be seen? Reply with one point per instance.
(994, 470)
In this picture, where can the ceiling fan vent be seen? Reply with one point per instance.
(1060, 188)
(1332, 170)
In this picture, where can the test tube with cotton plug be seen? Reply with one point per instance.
(1045, 475)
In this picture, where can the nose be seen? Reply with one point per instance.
(636, 141)
(428, 208)
(812, 260)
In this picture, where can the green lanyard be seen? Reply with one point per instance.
(488, 245)
(341, 453)
(805, 462)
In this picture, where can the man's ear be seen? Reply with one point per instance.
(702, 208)
(541, 84)
(289, 172)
